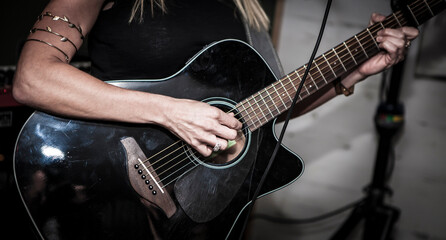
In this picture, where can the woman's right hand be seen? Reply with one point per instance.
(199, 124)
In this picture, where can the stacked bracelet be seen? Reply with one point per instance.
(62, 37)
(48, 30)
(64, 19)
(51, 45)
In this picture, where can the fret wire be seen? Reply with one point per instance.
(320, 71)
(419, 10)
(428, 7)
(397, 20)
(308, 84)
(432, 5)
(275, 105)
(414, 17)
(283, 87)
(329, 66)
(309, 74)
(350, 53)
(278, 94)
(339, 59)
(253, 111)
(367, 42)
(270, 101)
(345, 55)
(300, 80)
(337, 55)
(292, 84)
(263, 99)
(260, 108)
(372, 38)
(418, 5)
(328, 63)
(382, 25)
(247, 115)
(361, 46)
(423, 9)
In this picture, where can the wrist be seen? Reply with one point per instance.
(353, 78)
(340, 88)
(155, 109)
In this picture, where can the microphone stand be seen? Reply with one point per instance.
(378, 216)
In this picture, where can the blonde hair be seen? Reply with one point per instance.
(251, 11)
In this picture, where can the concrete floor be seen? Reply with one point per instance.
(338, 141)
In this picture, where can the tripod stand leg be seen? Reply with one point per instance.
(352, 221)
(379, 224)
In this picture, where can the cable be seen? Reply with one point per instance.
(279, 142)
(280, 220)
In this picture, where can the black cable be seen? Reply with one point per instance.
(281, 220)
(288, 117)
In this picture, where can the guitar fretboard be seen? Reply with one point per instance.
(275, 99)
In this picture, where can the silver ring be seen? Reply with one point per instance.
(407, 44)
(216, 147)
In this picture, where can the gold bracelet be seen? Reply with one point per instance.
(48, 30)
(341, 89)
(51, 45)
(64, 19)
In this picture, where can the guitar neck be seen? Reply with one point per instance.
(275, 99)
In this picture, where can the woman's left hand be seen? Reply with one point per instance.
(394, 42)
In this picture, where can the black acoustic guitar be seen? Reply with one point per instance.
(83, 179)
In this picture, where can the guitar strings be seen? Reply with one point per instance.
(251, 121)
(280, 88)
(366, 45)
(315, 74)
(178, 162)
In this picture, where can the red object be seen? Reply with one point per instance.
(6, 99)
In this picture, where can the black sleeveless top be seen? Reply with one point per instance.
(160, 45)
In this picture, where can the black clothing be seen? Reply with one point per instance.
(160, 45)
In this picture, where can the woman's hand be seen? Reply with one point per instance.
(201, 125)
(394, 42)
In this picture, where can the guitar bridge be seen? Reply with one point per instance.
(144, 179)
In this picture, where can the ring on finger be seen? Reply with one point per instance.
(216, 147)
(407, 44)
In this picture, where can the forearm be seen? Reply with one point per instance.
(50, 85)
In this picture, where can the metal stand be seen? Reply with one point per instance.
(379, 217)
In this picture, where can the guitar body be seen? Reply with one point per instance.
(84, 179)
